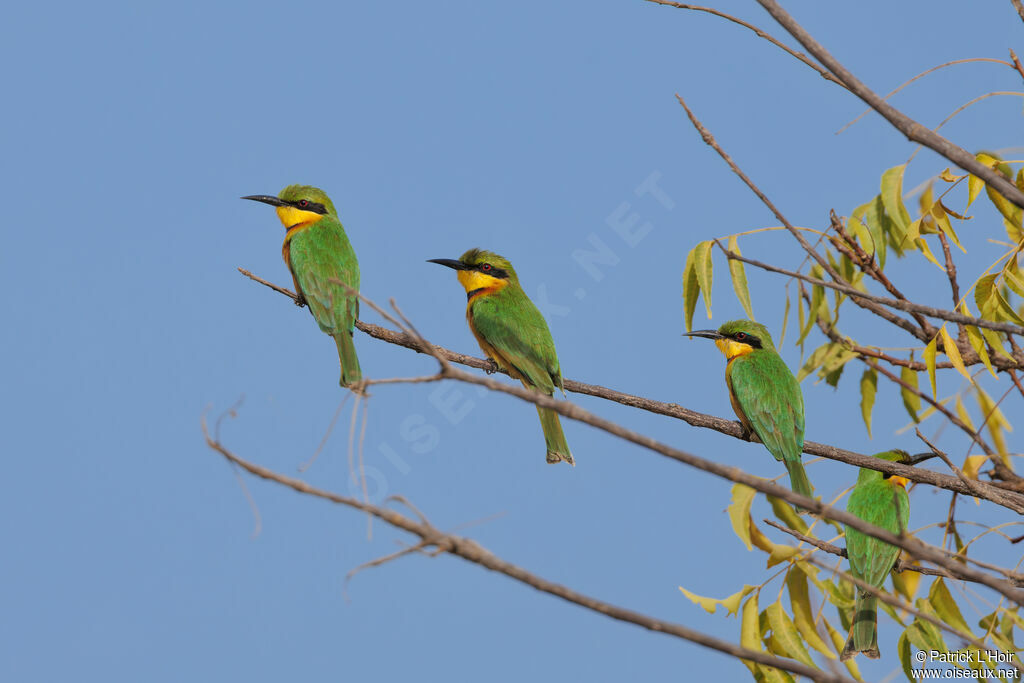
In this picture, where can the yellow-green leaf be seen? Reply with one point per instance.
(974, 187)
(750, 630)
(691, 288)
(947, 609)
(863, 235)
(926, 251)
(949, 176)
(911, 401)
(1012, 276)
(731, 603)
(978, 344)
(800, 602)
(903, 648)
(994, 421)
(868, 386)
(787, 515)
(907, 582)
(739, 279)
(929, 359)
(702, 264)
(739, 512)
(972, 463)
(785, 632)
(962, 413)
(892, 200)
(785, 320)
(816, 359)
(949, 347)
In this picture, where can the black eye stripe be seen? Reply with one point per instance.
(315, 207)
(492, 270)
(746, 338)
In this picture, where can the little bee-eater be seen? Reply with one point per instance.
(512, 333)
(764, 394)
(319, 256)
(878, 499)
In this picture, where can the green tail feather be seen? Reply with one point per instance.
(350, 371)
(554, 437)
(798, 480)
(864, 631)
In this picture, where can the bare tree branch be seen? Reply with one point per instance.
(1020, 8)
(733, 428)
(760, 33)
(901, 564)
(910, 128)
(471, 551)
(863, 302)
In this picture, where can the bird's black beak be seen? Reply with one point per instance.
(450, 262)
(267, 199)
(919, 458)
(707, 334)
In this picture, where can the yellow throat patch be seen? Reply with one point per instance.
(898, 480)
(475, 281)
(292, 218)
(733, 349)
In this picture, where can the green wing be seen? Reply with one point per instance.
(515, 327)
(883, 504)
(319, 254)
(771, 400)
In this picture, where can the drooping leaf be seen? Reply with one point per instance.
(816, 359)
(923, 634)
(903, 648)
(949, 347)
(691, 288)
(911, 401)
(750, 631)
(994, 422)
(929, 359)
(868, 386)
(892, 200)
(947, 609)
(739, 279)
(800, 602)
(731, 603)
(977, 343)
(972, 463)
(702, 264)
(787, 515)
(739, 512)
(785, 321)
(961, 412)
(787, 635)
(906, 582)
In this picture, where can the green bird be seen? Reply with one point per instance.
(764, 394)
(319, 256)
(512, 333)
(878, 499)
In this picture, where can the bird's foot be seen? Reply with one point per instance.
(300, 301)
(491, 367)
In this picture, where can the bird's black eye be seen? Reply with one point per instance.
(303, 203)
(740, 336)
(485, 267)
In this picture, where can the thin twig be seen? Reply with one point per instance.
(471, 551)
(900, 566)
(760, 33)
(910, 128)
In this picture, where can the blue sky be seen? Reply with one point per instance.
(525, 128)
